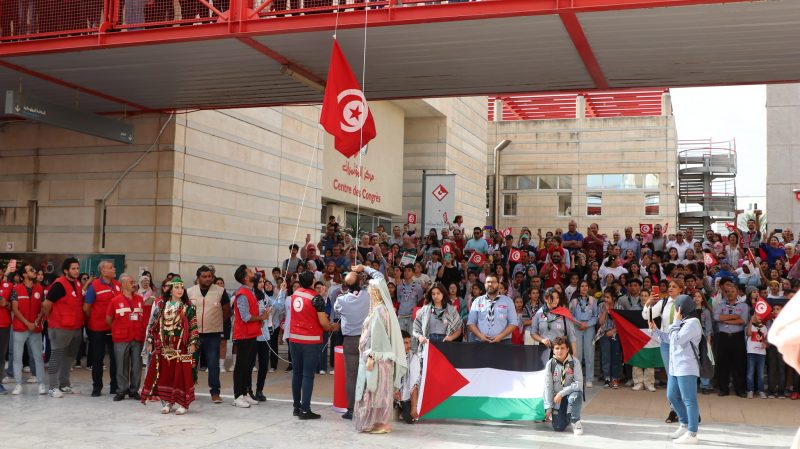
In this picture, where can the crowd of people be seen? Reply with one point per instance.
(384, 295)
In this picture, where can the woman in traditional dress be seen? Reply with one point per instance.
(172, 341)
(382, 363)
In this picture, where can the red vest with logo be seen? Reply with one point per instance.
(241, 329)
(28, 305)
(103, 295)
(67, 311)
(127, 316)
(5, 312)
(304, 327)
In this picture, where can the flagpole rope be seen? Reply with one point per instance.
(305, 188)
(361, 131)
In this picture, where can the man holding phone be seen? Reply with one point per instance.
(6, 288)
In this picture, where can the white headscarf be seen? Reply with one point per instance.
(395, 336)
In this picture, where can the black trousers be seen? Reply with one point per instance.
(273, 346)
(731, 359)
(262, 358)
(336, 340)
(351, 356)
(99, 342)
(243, 369)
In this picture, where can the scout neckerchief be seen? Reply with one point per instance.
(490, 313)
(582, 305)
(563, 370)
(438, 313)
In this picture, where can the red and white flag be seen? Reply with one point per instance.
(762, 309)
(515, 255)
(505, 232)
(447, 249)
(731, 227)
(645, 229)
(709, 260)
(345, 113)
(477, 259)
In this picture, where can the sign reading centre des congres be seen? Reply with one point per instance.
(376, 182)
(440, 200)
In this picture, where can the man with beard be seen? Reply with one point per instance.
(352, 305)
(492, 317)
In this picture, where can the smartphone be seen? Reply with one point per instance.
(778, 230)
(656, 290)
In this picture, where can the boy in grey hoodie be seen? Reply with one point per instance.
(563, 389)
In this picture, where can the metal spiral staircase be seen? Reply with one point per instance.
(706, 183)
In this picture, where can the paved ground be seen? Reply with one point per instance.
(618, 419)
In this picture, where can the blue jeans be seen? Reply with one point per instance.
(755, 371)
(209, 346)
(705, 383)
(10, 368)
(609, 355)
(34, 343)
(322, 365)
(304, 362)
(682, 396)
(585, 346)
(568, 410)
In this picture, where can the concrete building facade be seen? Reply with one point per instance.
(783, 155)
(616, 172)
(225, 187)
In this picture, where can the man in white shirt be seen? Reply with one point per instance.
(680, 245)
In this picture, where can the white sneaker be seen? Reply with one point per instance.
(55, 393)
(222, 369)
(687, 438)
(678, 433)
(330, 372)
(637, 387)
(272, 370)
(250, 400)
(32, 380)
(589, 384)
(322, 371)
(69, 390)
(42, 389)
(651, 388)
(8, 380)
(26, 369)
(762, 395)
(241, 402)
(17, 390)
(749, 395)
(181, 411)
(577, 428)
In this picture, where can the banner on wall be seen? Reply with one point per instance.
(439, 201)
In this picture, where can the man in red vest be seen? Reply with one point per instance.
(26, 303)
(95, 304)
(308, 321)
(6, 287)
(246, 327)
(64, 314)
(125, 314)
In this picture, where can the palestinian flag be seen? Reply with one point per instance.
(638, 347)
(482, 381)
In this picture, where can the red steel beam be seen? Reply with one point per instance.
(74, 86)
(282, 60)
(581, 43)
(401, 15)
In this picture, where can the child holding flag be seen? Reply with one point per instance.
(756, 342)
(563, 389)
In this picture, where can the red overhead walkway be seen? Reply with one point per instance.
(101, 57)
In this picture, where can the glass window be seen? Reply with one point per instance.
(651, 204)
(630, 181)
(651, 181)
(526, 182)
(594, 181)
(509, 204)
(565, 182)
(612, 181)
(548, 182)
(564, 204)
(510, 182)
(594, 204)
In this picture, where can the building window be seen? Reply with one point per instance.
(532, 182)
(628, 181)
(509, 204)
(651, 203)
(594, 204)
(519, 182)
(564, 204)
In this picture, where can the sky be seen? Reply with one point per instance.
(725, 113)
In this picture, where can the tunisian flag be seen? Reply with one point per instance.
(345, 114)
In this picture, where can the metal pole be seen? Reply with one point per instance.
(424, 194)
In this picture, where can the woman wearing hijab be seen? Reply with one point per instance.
(172, 341)
(382, 363)
(684, 336)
